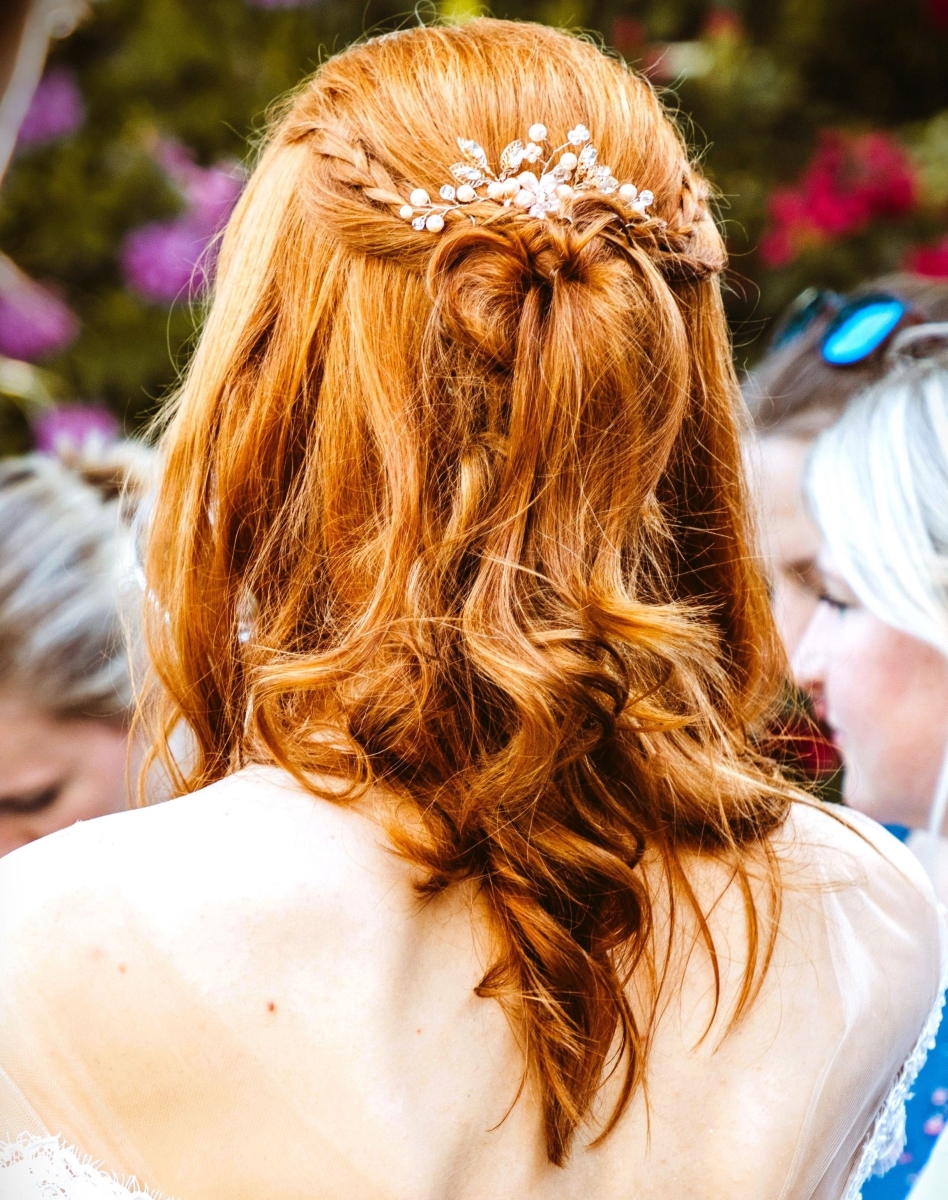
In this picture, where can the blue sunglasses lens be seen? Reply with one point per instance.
(801, 314)
(861, 329)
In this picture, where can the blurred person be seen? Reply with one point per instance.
(476, 885)
(825, 350)
(65, 686)
(874, 655)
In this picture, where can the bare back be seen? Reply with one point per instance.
(257, 1003)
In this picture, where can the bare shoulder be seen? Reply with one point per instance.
(845, 872)
(220, 937)
(843, 846)
(253, 844)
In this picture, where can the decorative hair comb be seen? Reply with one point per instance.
(540, 194)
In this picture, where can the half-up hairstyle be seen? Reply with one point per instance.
(460, 516)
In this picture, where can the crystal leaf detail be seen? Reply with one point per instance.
(473, 153)
(447, 192)
(464, 173)
(605, 180)
(511, 156)
(418, 223)
(587, 158)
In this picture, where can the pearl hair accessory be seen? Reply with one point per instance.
(540, 193)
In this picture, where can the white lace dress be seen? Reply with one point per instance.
(44, 1168)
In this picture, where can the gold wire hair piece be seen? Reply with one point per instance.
(543, 195)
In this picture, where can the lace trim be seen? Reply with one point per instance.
(45, 1168)
(886, 1139)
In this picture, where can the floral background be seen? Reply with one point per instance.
(823, 124)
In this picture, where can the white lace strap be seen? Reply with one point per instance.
(886, 1139)
(45, 1168)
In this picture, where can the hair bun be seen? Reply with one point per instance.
(478, 278)
(479, 275)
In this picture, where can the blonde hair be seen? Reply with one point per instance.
(877, 483)
(878, 486)
(65, 554)
(461, 515)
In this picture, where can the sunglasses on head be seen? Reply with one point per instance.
(858, 329)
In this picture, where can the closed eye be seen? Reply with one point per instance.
(834, 602)
(30, 802)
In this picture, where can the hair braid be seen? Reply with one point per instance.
(684, 248)
(352, 165)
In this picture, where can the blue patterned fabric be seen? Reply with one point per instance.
(926, 1114)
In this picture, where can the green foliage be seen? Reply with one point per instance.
(754, 85)
(204, 73)
(772, 77)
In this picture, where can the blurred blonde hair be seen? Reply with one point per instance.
(462, 516)
(877, 483)
(65, 561)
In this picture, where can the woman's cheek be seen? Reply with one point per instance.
(858, 693)
(851, 676)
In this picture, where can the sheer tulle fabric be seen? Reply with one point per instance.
(67, 1139)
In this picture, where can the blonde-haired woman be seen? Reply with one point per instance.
(475, 886)
(875, 654)
(66, 567)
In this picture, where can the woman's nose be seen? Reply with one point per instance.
(808, 663)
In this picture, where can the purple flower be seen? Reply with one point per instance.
(56, 110)
(76, 424)
(34, 321)
(160, 261)
(163, 260)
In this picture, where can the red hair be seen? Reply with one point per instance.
(461, 516)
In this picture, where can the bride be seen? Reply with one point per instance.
(475, 886)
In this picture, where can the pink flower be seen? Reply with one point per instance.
(163, 260)
(849, 182)
(56, 110)
(777, 248)
(931, 261)
(934, 1125)
(788, 206)
(76, 424)
(210, 193)
(940, 1097)
(34, 322)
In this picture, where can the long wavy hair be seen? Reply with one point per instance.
(459, 516)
